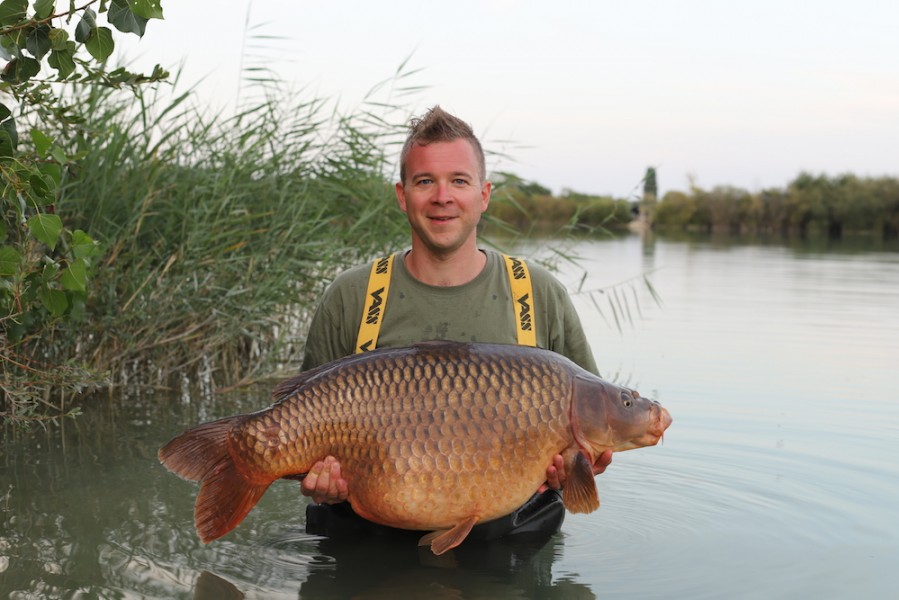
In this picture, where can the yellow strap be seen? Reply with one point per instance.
(375, 301)
(522, 300)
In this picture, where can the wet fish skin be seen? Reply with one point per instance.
(437, 436)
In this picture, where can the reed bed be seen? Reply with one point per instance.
(218, 234)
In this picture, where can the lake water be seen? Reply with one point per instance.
(778, 479)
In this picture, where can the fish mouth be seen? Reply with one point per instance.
(660, 420)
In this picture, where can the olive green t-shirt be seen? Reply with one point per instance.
(478, 311)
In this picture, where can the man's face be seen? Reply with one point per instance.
(443, 195)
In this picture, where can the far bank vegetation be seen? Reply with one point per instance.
(810, 205)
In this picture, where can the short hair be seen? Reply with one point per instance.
(437, 125)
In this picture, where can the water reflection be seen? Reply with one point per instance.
(395, 567)
(86, 506)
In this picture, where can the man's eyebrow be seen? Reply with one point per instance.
(453, 174)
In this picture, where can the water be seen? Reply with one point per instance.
(778, 479)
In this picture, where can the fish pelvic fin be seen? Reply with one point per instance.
(447, 539)
(226, 494)
(580, 494)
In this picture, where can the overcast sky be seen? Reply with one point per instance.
(586, 95)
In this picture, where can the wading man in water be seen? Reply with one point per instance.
(446, 288)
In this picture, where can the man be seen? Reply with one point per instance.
(444, 287)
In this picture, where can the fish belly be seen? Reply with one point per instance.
(438, 491)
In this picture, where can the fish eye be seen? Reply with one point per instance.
(628, 403)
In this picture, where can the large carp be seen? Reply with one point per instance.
(435, 437)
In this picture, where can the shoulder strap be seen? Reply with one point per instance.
(375, 301)
(522, 300)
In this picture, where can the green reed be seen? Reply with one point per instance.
(218, 232)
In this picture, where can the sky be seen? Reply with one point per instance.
(581, 95)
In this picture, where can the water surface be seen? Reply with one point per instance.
(778, 479)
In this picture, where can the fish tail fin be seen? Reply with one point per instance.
(226, 494)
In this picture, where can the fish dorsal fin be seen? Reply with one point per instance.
(447, 539)
(580, 493)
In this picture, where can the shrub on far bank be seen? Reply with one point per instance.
(810, 204)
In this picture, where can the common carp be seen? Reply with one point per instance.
(434, 437)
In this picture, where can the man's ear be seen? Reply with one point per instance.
(485, 195)
(401, 196)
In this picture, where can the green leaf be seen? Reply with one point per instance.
(49, 272)
(100, 43)
(12, 11)
(148, 9)
(4, 112)
(3, 230)
(44, 8)
(41, 142)
(9, 126)
(9, 261)
(46, 228)
(63, 61)
(84, 246)
(6, 146)
(38, 185)
(85, 26)
(38, 42)
(53, 171)
(43, 189)
(20, 70)
(59, 155)
(124, 19)
(54, 300)
(75, 276)
(58, 38)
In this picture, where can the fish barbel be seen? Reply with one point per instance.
(413, 428)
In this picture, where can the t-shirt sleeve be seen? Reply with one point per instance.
(563, 330)
(332, 331)
(576, 346)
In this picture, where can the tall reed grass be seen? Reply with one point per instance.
(218, 232)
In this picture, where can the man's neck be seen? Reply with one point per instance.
(452, 269)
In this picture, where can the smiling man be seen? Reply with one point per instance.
(444, 287)
(443, 193)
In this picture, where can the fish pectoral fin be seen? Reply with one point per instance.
(447, 539)
(580, 494)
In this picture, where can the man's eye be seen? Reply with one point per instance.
(423, 181)
(460, 181)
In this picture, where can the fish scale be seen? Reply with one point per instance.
(436, 436)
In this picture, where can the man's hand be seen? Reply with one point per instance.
(556, 476)
(324, 483)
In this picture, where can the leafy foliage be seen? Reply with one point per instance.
(521, 206)
(46, 265)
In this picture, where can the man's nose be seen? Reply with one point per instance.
(444, 194)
